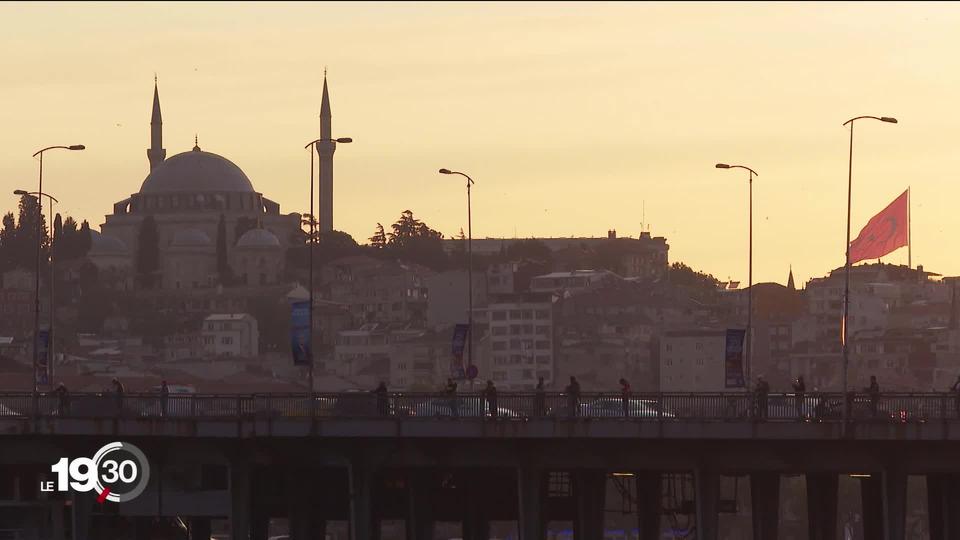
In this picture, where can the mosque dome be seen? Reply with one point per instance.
(104, 244)
(196, 172)
(190, 238)
(258, 238)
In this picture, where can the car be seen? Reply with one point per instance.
(613, 408)
(466, 408)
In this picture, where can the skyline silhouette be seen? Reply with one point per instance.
(571, 119)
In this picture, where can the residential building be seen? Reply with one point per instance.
(521, 341)
(231, 335)
(693, 361)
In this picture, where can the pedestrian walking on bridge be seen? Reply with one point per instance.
(625, 396)
(490, 394)
(800, 391)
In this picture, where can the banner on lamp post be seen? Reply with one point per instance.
(43, 358)
(733, 359)
(300, 331)
(460, 333)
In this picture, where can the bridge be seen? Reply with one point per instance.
(363, 458)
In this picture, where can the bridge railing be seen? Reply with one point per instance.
(638, 406)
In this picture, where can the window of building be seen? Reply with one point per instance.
(543, 359)
(699, 346)
(528, 374)
(543, 314)
(543, 330)
(499, 375)
(499, 345)
(514, 359)
(515, 314)
(516, 329)
(499, 330)
(227, 340)
(699, 361)
(542, 344)
(527, 314)
(499, 315)
(669, 347)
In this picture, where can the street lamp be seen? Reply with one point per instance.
(749, 362)
(846, 286)
(36, 317)
(469, 267)
(313, 234)
(37, 195)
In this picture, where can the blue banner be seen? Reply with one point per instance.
(460, 332)
(300, 333)
(733, 359)
(43, 360)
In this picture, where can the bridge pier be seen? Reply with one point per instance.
(199, 528)
(420, 520)
(364, 521)
(531, 490)
(765, 505)
(884, 504)
(81, 506)
(648, 504)
(822, 506)
(943, 506)
(476, 522)
(589, 490)
(707, 503)
(240, 501)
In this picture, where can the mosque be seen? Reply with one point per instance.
(186, 195)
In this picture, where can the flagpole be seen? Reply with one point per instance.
(909, 233)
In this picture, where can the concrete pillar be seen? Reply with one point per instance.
(318, 528)
(57, 530)
(259, 524)
(200, 528)
(82, 505)
(589, 490)
(871, 505)
(420, 512)
(240, 502)
(765, 505)
(649, 500)
(822, 506)
(943, 506)
(531, 491)
(364, 522)
(299, 514)
(894, 503)
(708, 500)
(476, 524)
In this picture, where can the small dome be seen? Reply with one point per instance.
(103, 244)
(190, 238)
(196, 172)
(258, 238)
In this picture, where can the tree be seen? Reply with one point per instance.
(148, 252)
(8, 241)
(699, 285)
(223, 267)
(414, 241)
(379, 238)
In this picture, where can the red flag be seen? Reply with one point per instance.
(884, 232)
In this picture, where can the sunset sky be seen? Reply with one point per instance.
(569, 116)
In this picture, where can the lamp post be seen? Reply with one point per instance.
(749, 362)
(313, 228)
(37, 195)
(469, 267)
(846, 287)
(36, 316)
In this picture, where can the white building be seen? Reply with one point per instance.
(575, 281)
(693, 361)
(231, 334)
(521, 343)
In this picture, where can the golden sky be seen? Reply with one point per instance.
(568, 115)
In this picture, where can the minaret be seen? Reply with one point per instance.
(156, 153)
(790, 284)
(325, 150)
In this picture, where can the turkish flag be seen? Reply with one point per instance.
(884, 233)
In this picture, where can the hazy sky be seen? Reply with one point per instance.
(569, 116)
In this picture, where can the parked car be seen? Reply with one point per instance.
(613, 408)
(466, 407)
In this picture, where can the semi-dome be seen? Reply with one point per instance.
(106, 244)
(196, 172)
(258, 238)
(190, 238)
